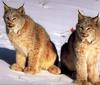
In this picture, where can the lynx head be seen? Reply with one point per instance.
(86, 27)
(14, 18)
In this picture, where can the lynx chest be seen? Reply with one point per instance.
(22, 43)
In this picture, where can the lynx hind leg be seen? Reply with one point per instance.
(52, 58)
(20, 62)
(67, 65)
(66, 58)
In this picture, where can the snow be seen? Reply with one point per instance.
(9, 77)
(57, 17)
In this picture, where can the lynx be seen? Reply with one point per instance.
(81, 51)
(34, 49)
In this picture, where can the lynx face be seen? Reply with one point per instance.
(86, 27)
(14, 18)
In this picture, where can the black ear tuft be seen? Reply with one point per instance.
(21, 10)
(6, 8)
(96, 19)
(80, 16)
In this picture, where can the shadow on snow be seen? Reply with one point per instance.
(7, 55)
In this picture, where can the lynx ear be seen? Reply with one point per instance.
(21, 10)
(96, 19)
(80, 16)
(6, 8)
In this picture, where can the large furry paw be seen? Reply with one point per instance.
(82, 82)
(97, 83)
(31, 70)
(16, 67)
(54, 69)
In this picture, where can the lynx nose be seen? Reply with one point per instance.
(84, 34)
(10, 24)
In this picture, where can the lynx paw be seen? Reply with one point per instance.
(30, 70)
(54, 69)
(16, 67)
(82, 82)
(98, 83)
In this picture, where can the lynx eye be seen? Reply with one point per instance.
(88, 28)
(14, 18)
(81, 28)
(7, 18)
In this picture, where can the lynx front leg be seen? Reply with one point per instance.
(81, 69)
(20, 62)
(33, 63)
(93, 72)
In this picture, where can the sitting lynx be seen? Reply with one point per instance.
(34, 49)
(81, 51)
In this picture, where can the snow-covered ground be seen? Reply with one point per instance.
(58, 17)
(9, 77)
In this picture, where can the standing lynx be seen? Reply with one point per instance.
(34, 49)
(81, 51)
